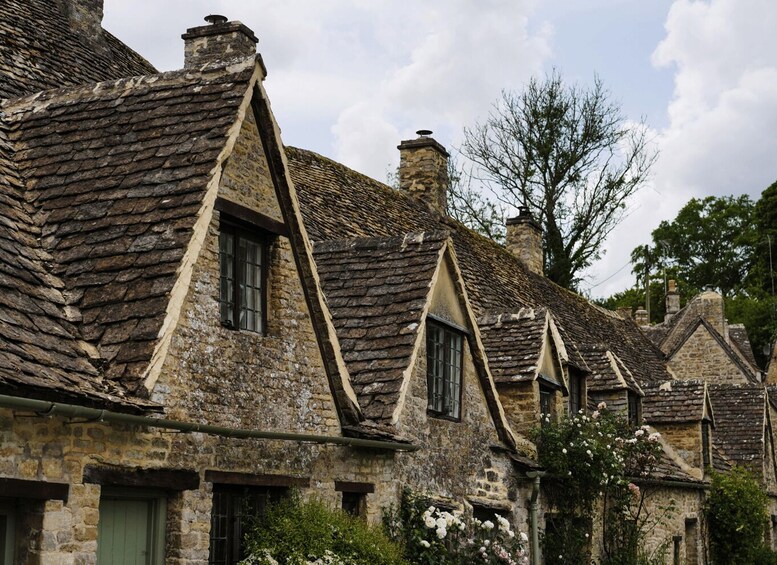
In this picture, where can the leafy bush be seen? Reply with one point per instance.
(736, 519)
(432, 536)
(592, 460)
(296, 532)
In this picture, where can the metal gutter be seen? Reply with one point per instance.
(46, 408)
(534, 507)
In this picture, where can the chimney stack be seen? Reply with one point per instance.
(641, 317)
(219, 41)
(423, 170)
(86, 17)
(672, 301)
(524, 240)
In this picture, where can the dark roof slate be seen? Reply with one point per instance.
(740, 340)
(40, 50)
(337, 203)
(513, 344)
(114, 177)
(739, 422)
(40, 351)
(377, 290)
(608, 372)
(674, 402)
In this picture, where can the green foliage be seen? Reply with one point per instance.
(591, 460)
(432, 536)
(708, 243)
(569, 155)
(736, 516)
(634, 298)
(295, 532)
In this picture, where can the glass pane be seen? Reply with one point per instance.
(226, 279)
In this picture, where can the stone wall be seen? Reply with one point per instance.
(685, 438)
(701, 357)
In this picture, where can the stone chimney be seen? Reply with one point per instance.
(625, 312)
(672, 301)
(712, 309)
(219, 41)
(423, 170)
(86, 17)
(524, 240)
(641, 317)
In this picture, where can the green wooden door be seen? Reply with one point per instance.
(129, 530)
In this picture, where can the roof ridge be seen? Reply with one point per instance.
(14, 106)
(403, 241)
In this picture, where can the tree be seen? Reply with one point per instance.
(708, 243)
(570, 156)
(470, 207)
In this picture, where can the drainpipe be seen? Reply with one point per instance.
(533, 508)
(45, 408)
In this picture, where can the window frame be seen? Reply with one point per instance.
(239, 229)
(448, 332)
(706, 444)
(234, 539)
(634, 408)
(576, 389)
(547, 392)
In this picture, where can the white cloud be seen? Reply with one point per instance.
(723, 116)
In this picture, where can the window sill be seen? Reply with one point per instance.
(440, 416)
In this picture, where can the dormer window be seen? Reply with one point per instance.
(576, 393)
(242, 259)
(706, 460)
(444, 347)
(547, 404)
(635, 409)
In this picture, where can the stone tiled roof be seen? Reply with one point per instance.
(40, 50)
(608, 372)
(339, 203)
(40, 348)
(377, 290)
(740, 411)
(513, 344)
(720, 462)
(114, 175)
(674, 402)
(740, 340)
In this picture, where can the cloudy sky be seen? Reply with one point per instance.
(350, 78)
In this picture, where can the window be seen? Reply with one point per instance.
(242, 259)
(233, 509)
(354, 503)
(705, 444)
(576, 394)
(443, 370)
(635, 409)
(547, 404)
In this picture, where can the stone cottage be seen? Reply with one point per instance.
(194, 317)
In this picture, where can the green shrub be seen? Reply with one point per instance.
(295, 532)
(433, 536)
(736, 519)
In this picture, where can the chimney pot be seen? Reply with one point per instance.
(423, 170)
(216, 19)
(524, 240)
(220, 41)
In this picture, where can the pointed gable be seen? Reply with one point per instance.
(522, 347)
(115, 175)
(702, 353)
(377, 290)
